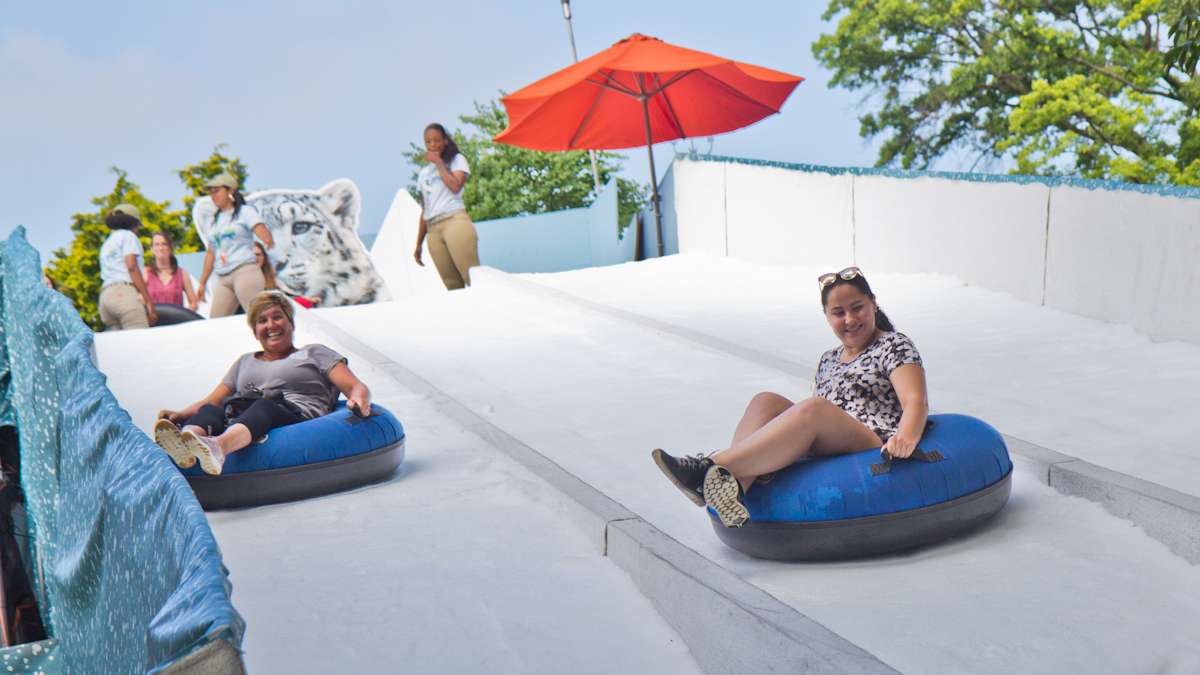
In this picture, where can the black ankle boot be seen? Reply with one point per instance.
(687, 473)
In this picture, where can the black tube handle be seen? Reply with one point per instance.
(920, 455)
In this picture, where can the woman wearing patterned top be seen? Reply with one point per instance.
(869, 392)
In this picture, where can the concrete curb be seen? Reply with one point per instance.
(1167, 515)
(730, 625)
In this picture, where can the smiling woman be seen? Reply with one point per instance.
(869, 392)
(277, 386)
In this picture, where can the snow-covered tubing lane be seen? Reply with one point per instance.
(1054, 584)
(1095, 390)
(462, 562)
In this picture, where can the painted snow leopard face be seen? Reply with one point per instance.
(317, 251)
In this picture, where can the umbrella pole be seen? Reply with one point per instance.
(653, 176)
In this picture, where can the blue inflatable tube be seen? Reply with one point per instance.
(858, 505)
(326, 454)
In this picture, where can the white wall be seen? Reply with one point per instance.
(982, 233)
(787, 217)
(1126, 257)
(1108, 253)
(697, 199)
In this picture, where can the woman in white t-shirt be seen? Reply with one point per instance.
(452, 240)
(120, 273)
(229, 238)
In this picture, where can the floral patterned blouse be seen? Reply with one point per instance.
(861, 387)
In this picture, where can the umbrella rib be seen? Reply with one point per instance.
(662, 89)
(739, 94)
(671, 81)
(587, 117)
(611, 83)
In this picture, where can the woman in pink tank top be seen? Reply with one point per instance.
(165, 281)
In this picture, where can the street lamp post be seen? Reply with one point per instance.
(566, 7)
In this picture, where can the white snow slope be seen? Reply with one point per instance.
(1098, 391)
(1055, 584)
(463, 562)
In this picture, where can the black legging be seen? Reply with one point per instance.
(262, 416)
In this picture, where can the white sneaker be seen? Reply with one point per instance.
(723, 493)
(205, 449)
(166, 434)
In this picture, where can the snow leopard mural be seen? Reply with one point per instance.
(317, 251)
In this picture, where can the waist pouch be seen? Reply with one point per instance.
(241, 401)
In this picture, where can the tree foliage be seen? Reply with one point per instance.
(75, 270)
(511, 181)
(1184, 18)
(1080, 87)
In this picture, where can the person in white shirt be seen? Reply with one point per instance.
(453, 242)
(229, 240)
(121, 280)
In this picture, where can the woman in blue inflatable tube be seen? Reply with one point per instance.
(869, 392)
(274, 387)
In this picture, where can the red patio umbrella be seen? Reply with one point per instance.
(642, 91)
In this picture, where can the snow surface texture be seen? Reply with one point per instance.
(463, 562)
(1054, 584)
(1098, 391)
(392, 251)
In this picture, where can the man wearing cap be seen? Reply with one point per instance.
(121, 282)
(229, 240)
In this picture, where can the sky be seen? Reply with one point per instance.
(306, 92)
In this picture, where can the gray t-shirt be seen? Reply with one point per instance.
(302, 378)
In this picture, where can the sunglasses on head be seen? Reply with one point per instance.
(830, 277)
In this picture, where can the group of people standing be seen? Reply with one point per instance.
(236, 259)
(238, 242)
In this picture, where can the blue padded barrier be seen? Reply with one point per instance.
(128, 573)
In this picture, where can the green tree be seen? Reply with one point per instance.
(511, 181)
(1078, 87)
(75, 270)
(1184, 19)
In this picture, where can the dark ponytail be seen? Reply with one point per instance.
(238, 202)
(451, 149)
(882, 322)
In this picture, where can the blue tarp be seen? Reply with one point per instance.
(128, 573)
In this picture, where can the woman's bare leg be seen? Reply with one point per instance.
(233, 439)
(763, 408)
(813, 426)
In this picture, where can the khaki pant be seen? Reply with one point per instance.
(121, 307)
(236, 288)
(454, 247)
